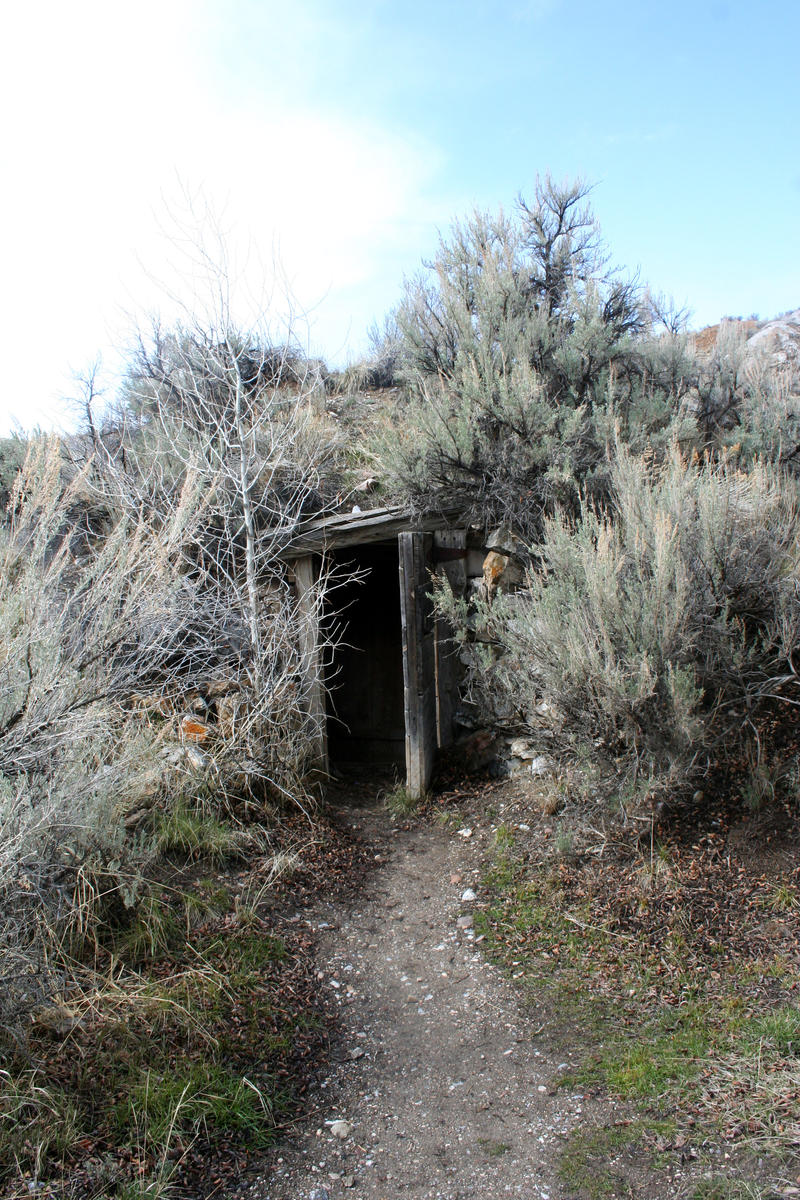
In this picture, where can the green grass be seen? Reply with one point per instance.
(201, 1096)
(783, 899)
(200, 1040)
(492, 1148)
(584, 1163)
(594, 1159)
(155, 929)
(39, 1123)
(504, 839)
(721, 1187)
(195, 834)
(658, 1031)
(777, 1033)
(399, 802)
(655, 1058)
(448, 818)
(207, 901)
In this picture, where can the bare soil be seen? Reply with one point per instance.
(445, 1076)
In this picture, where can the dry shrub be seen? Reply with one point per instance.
(80, 626)
(115, 613)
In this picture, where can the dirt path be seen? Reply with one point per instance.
(442, 1082)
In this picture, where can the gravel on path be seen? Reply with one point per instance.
(440, 1086)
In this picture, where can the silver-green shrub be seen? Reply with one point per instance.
(521, 351)
(658, 631)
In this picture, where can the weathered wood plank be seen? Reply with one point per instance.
(419, 666)
(309, 611)
(342, 530)
(451, 563)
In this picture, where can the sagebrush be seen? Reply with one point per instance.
(658, 631)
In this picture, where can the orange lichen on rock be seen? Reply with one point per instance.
(193, 730)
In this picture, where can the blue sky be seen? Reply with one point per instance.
(334, 140)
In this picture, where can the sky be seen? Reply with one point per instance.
(326, 145)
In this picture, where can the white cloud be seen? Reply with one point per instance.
(337, 205)
(115, 105)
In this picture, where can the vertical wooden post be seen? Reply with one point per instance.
(419, 668)
(448, 667)
(308, 606)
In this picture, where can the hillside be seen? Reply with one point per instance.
(776, 340)
(533, 569)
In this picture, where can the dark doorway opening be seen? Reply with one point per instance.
(364, 679)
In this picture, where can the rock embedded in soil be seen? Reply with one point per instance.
(522, 748)
(541, 766)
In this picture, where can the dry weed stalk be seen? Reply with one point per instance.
(143, 586)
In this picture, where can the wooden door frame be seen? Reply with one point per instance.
(419, 658)
(430, 661)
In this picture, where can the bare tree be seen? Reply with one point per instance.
(243, 411)
(152, 645)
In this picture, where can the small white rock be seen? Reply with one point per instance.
(541, 766)
(468, 895)
(466, 832)
(197, 758)
(341, 1129)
